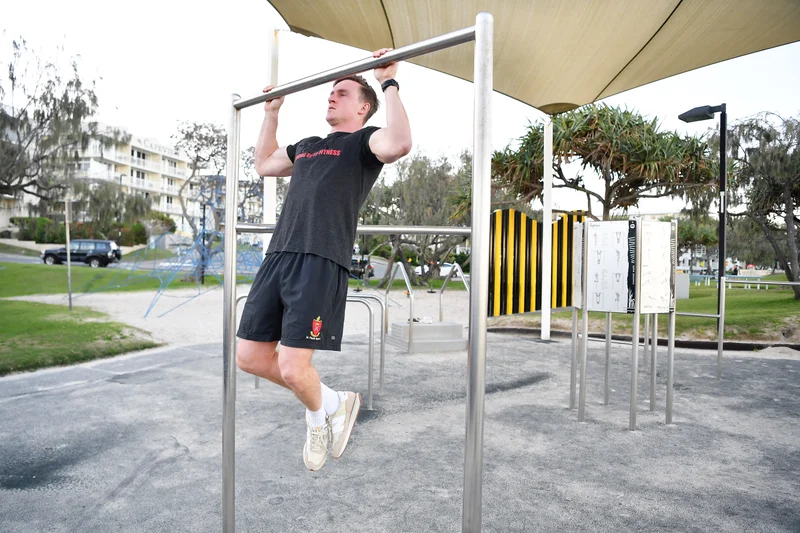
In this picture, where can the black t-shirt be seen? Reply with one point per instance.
(330, 181)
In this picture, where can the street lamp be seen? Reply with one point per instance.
(697, 114)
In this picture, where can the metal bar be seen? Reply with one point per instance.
(381, 302)
(635, 333)
(646, 341)
(700, 315)
(243, 227)
(607, 377)
(270, 192)
(547, 230)
(371, 351)
(67, 218)
(455, 266)
(229, 327)
(401, 54)
(721, 328)
(653, 367)
(573, 361)
(479, 299)
(584, 323)
(787, 283)
(410, 298)
(670, 365)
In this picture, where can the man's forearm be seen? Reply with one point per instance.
(267, 138)
(397, 126)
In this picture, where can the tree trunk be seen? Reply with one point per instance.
(390, 266)
(793, 274)
(782, 259)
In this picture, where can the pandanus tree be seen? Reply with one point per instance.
(633, 158)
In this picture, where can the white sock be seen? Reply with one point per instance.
(316, 418)
(330, 399)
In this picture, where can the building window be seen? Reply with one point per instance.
(169, 200)
(170, 182)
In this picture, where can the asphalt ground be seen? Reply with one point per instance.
(134, 444)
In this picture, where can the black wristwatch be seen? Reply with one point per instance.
(390, 83)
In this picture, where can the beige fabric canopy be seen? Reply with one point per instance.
(560, 54)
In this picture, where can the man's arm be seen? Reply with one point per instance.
(394, 141)
(271, 160)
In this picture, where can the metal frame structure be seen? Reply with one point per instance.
(455, 267)
(483, 35)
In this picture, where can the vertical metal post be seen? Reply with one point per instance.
(584, 322)
(723, 215)
(721, 327)
(270, 193)
(573, 365)
(607, 378)
(479, 297)
(635, 334)
(67, 217)
(229, 327)
(653, 366)
(547, 229)
(670, 363)
(646, 342)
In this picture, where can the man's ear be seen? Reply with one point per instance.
(365, 107)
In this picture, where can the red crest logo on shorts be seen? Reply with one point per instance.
(316, 327)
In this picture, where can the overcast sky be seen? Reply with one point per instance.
(161, 62)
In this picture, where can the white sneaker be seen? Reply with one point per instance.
(315, 451)
(342, 421)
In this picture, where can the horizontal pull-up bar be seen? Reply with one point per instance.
(372, 230)
(401, 54)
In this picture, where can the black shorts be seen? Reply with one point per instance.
(297, 299)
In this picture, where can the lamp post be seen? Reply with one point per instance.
(707, 113)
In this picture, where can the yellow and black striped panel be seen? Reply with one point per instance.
(515, 276)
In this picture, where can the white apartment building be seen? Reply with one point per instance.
(143, 166)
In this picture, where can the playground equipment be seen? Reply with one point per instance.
(482, 34)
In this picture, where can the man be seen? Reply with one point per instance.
(299, 293)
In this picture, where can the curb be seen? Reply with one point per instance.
(749, 346)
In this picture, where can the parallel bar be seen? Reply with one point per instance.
(401, 54)
(229, 328)
(607, 377)
(584, 324)
(479, 301)
(646, 340)
(371, 230)
(371, 352)
(653, 366)
(382, 303)
(455, 268)
(573, 361)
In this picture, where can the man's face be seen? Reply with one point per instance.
(344, 103)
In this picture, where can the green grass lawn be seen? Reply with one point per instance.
(18, 279)
(749, 315)
(17, 250)
(34, 335)
(149, 255)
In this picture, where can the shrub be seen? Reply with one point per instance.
(165, 220)
(139, 233)
(5, 234)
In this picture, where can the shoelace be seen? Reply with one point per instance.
(318, 439)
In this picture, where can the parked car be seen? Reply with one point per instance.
(92, 252)
(358, 266)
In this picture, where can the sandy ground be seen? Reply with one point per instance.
(199, 320)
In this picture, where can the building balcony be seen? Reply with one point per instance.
(145, 164)
(172, 171)
(100, 175)
(171, 209)
(170, 189)
(140, 184)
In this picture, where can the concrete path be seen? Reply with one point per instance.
(133, 444)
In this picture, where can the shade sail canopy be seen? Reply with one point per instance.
(556, 54)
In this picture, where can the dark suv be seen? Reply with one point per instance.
(94, 253)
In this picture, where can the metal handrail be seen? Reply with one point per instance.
(785, 283)
(382, 303)
(369, 229)
(444, 284)
(410, 303)
(371, 356)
